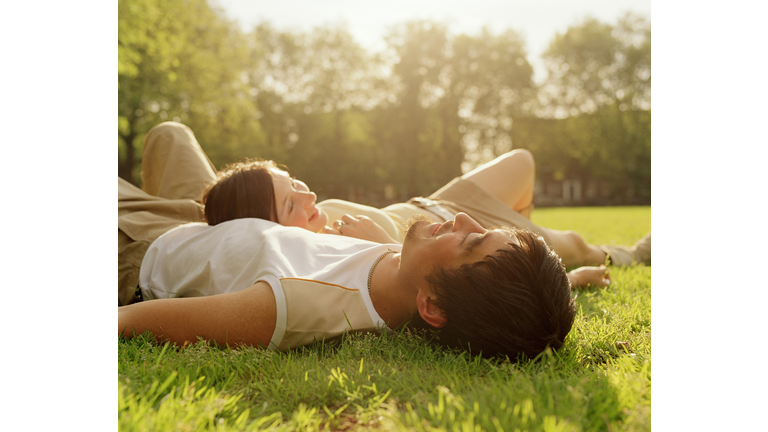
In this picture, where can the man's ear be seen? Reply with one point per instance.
(429, 312)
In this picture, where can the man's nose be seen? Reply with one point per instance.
(462, 222)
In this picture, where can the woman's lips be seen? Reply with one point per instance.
(315, 214)
(435, 227)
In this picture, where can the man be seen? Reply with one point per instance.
(254, 282)
(175, 171)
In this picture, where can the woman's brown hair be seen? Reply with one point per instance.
(241, 190)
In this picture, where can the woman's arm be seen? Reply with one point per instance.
(361, 227)
(245, 317)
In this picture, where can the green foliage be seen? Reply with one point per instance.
(600, 379)
(313, 91)
(599, 90)
(410, 118)
(595, 64)
(180, 60)
(456, 97)
(610, 145)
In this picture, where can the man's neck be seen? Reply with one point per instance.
(394, 302)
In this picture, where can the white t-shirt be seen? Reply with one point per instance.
(319, 280)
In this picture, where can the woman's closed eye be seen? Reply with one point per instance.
(293, 186)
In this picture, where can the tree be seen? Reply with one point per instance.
(313, 91)
(600, 83)
(494, 87)
(180, 60)
(595, 64)
(419, 154)
(408, 119)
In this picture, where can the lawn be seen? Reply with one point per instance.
(600, 380)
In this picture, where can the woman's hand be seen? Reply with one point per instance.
(589, 277)
(361, 227)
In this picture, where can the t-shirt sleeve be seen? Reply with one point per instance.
(316, 311)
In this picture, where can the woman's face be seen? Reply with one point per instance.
(295, 203)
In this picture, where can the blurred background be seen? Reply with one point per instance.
(380, 120)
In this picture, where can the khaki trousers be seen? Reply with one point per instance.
(462, 195)
(175, 171)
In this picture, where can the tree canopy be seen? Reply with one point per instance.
(381, 127)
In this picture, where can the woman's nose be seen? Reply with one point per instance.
(301, 186)
(308, 197)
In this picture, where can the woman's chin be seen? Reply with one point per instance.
(318, 223)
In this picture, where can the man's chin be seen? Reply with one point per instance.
(417, 217)
(415, 220)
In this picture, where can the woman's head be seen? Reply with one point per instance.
(241, 190)
(259, 189)
(295, 203)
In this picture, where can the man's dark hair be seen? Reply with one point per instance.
(241, 190)
(515, 301)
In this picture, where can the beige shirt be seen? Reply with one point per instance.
(392, 218)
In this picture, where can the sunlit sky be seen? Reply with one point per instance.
(538, 21)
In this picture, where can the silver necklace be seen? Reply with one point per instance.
(375, 263)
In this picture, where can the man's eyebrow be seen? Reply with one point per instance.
(477, 241)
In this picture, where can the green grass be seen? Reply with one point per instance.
(598, 225)
(600, 380)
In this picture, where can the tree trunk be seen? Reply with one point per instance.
(125, 169)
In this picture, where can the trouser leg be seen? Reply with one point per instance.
(175, 171)
(573, 249)
(639, 253)
(473, 193)
(510, 178)
(463, 195)
(174, 166)
(142, 218)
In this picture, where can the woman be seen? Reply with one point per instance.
(260, 189)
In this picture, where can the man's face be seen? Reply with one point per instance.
(448, 245)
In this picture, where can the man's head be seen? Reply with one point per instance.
(501, 291)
